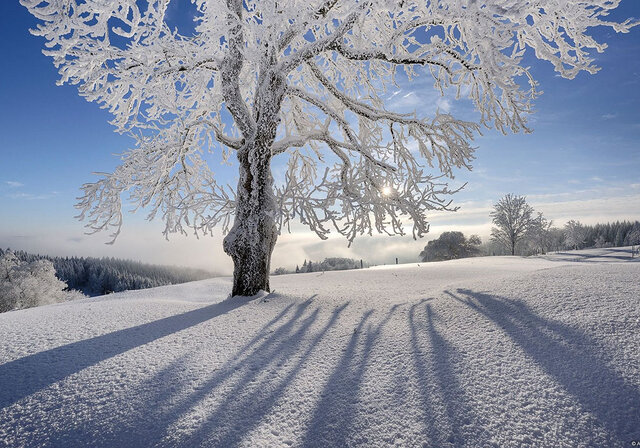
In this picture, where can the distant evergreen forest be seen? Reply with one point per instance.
(611, 234)
(99, 276)
(329, 264)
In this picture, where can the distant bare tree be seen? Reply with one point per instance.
(556, 238)
(513, 218)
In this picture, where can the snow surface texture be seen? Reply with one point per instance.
(500, 351)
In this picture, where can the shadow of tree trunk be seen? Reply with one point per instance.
(25, 376)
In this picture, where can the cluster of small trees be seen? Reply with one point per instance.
(25, 284)
(519, 229)
(328, 264)
(99, 276)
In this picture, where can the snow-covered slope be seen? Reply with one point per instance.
(500, 351)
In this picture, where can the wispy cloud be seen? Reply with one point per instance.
(609, 116)
(597, 179)
(32, 196)
(14, 184)
(407, 101)
(444, 104)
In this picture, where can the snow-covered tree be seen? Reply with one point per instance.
(451, 246)
(513, 219)
(307, 81)
(28, 284)
(539, 236)
(600, 242)
(634, 238)
(574, 234)
(556, 239)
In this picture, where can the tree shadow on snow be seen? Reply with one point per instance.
(222, 408)
(28, 375)
(332, 419)
(612, 254)
(440, 392)
(570, 357)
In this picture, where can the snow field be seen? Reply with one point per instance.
(499, 351)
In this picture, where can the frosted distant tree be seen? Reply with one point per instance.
(539, 234)
(306, 81)
(451, 246)
(574, 234)
(634, 239)
(513, 219)
(28, 284)
(556, 238)
(600, 242)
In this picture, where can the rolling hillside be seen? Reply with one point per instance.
(500, 351)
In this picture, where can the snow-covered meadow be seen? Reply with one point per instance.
(500, 351)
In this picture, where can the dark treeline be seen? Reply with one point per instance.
(617, 234)
(329, 264)
(98, 276)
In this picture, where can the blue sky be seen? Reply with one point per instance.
(582, 161)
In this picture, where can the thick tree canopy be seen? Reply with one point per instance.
(304, 80)
(451, 246)
(575, 234)
(28, 284)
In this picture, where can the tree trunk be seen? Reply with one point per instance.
(513, 247)
(254, 233)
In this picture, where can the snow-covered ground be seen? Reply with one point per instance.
(500, 351)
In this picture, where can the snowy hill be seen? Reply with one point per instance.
(500, 351)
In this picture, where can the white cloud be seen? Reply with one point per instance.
(405, 102)
(443, 104)
(609, 116)
(32, 196)
(14, 184)
(394, 94)
(143, 241)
